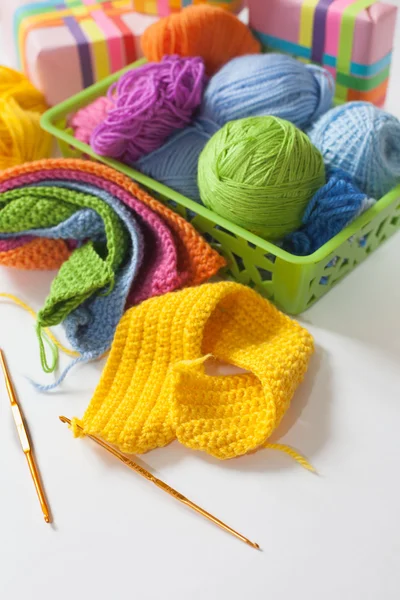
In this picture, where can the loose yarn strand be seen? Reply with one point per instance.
(299, 458)
(48, 332)
(46, 366)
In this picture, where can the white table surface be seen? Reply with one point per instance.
(333, 536)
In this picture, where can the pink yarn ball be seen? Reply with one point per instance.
(150, 103)
(85, 121)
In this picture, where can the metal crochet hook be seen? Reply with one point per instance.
(164, 486)
(24, 439)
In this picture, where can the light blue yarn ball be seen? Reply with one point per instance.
(268, 84)
(364, 141)
(175, 163)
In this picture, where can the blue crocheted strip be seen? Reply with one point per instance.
(90, 328)
(82, 225)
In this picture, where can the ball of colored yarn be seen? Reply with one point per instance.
(21, 105)
(260, 173)
(332, 208)
(364, 141)
(268, 84)
(210, 32)
(86, 119)
(175, 163)
(151, 102)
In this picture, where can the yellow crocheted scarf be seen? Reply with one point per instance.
(154, 387)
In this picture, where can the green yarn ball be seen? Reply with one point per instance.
(260, 173)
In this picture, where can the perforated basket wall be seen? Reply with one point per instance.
(294, 283)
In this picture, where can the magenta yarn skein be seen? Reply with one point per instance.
(150, 103)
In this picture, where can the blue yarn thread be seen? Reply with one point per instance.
(254, 85)
(364, 141)
(331, 209)
(90, 328)
(268, 84)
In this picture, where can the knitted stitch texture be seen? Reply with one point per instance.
(154, 388)
(85, 272)
(91, 326)
(38, 254)
(15, 242)
(196, 258)
(81, 225)
(158, 274)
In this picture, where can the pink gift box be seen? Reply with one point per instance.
(351, 38)
(65, 46)
(164, 8)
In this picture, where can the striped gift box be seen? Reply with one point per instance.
(353, 39)
(67, 45)
(163, 8)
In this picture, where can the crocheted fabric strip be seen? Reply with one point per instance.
(38, 254)
(14, 242)
(154, 387)
(158, 274)
(91, 327)
(196, 258)
(86, 271)
(81, 225)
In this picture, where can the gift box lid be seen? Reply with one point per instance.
(357, 31)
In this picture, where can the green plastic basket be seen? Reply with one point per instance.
(293, 283)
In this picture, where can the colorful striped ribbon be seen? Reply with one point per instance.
(104, 42)
(164, 8)
(327, 27)
(319, 28)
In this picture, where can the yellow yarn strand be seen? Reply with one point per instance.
(21, 105)
(299, 458)
(48, 332)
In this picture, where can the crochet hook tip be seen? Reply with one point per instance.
(65, 420)
(254, 545)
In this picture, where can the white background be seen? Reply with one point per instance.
(333, 536)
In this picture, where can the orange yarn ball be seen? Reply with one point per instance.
(210, 32)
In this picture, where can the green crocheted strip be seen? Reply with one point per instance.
(28, 208)
(89, 269)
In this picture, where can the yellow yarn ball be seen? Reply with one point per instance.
(21, 105)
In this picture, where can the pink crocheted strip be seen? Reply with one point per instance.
(11, 244)
(158, 273)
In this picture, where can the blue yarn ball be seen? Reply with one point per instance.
(175, 163)
(364, 141)
(331, 209)
(268, 84)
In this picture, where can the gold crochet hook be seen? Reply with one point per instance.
(24, 439)
(164, 486)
